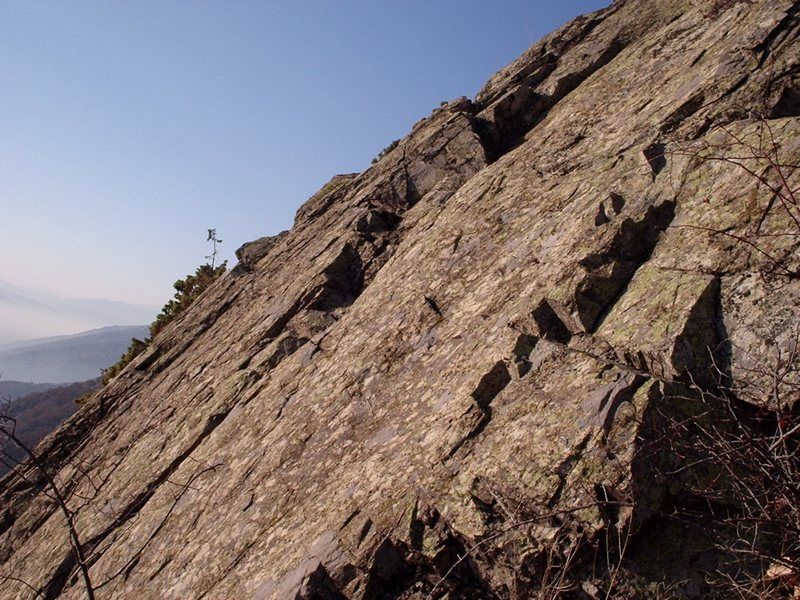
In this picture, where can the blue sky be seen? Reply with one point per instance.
(128, 128)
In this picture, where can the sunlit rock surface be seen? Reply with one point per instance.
(473, 331)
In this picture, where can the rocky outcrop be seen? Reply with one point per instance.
(250, 253)
(449, 375)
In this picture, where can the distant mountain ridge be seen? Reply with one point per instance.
(64, 359)
(11, 390)
(27, 314)
(39, 413)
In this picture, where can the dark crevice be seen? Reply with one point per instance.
(416, 529)
(552, 321)
(779, 34)
(287, 346)
(787, 104)
(619, 396)
(617, 202)
(565, 467)
(131, 566)
(699, 350)
(250, 253)
(398, 570)
(517, 112)
(683, 112)
(344, 281)
(375, 222)
(609, 502)
(433, 305)
(149, 359)
(486, 505)
(520, 354)
(609, 208)
(388, 572)
(412, 195)
(734, 88)
(488, 137)
(569, 83)
(703, 129)
(698, 58)
(480, 412)
(601, 218)
(58, 580)
(610, 270)
(160, 568)
(481, 421)
(656, 157)
(491, 384)
(7, 519)
(319, 585)
(379, 236)
(513, 115)
(722, 352)
(274, 330)
(364, 531)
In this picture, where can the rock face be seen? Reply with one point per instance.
(475, 332)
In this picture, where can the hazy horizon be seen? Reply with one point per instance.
(128, 129)
(28, 314)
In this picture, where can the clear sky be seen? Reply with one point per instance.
(127, 128)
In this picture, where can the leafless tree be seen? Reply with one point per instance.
(760, 157)
(80, 491)
(739, 463)
(212, 237)
(53, 491)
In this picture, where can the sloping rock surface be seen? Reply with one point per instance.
(471, 332)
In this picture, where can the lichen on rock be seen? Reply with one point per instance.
(452, 374)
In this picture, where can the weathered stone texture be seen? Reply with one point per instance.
(469, 332)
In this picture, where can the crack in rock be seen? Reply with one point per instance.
(609, 270)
